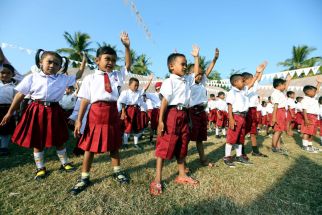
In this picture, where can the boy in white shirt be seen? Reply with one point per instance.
(222, 114)
(212, 115)
(290, 106)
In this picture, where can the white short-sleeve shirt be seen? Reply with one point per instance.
(198, 94)
(176, 89)
(68, 101)
(45, 87)
(269, 107)
(154, 99)
(311, 105)
(264, 111)
(149, 104)
(290, 103)
(238, 99)
(212, 104)
(93, 87)
(221, 105)
(129, 97)
(7, 92)
(259, 107)
(298, 107)
(279, 98)
(253, 96)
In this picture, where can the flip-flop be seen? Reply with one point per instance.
(155, 188)
(186, 180)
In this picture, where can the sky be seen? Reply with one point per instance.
(247, 32)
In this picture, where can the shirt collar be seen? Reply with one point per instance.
(174, 76)
(100, 72)
(235, 89)
(41, 73)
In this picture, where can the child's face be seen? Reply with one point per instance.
(6, 75)
(106, 62)
(292, 96)
(134, 86)
(222, 96)
(179, 66)
(50, 64)
(247, 80)
(239, 83)
(69, 91)
(213, 98)
(281, 87)
(310, 93)
(198, 78)
(157, 89)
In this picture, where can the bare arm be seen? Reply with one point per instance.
(258, 75)
(14, 106)
(81, 70)
(1, 56)
(274, 114)
(195, 54)
(163, 108)
(318, 85)
(126, 42)
(306, 120)
(146, 87)
(81, 113)
(231, 117)
(212, 63)
(288, 81)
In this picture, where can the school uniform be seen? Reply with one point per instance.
(269, 109)
(279, 98)
(264, 116)
(299, 113)
(222, 109)
(311, 105)
(143, 114)
(132, 99)
(290, 106)
(197, 113)
(7, 93)
(251, 118)
(240, 103)
(259, 114)
(175, 139)
(102, 131)
(212, 105)
(43, 124)
(154, 100)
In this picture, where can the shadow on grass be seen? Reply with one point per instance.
(298, 191)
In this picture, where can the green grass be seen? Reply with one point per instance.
(275, 185)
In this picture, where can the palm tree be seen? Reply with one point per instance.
(300, 58)
(78, 43)
(140, 65)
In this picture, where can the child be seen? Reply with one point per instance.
(43, 124)
(222, 115)
(143, 115)
(264, 113)
(269, 110)
(290, 105)
(279, 112)
(212, 116)
(259, 114)
(102, 132)
(311, 111)
(238, 104)
(299, 113)
(7, 93)
(251, 118)
(130, 114)
(197, 105)
(173, 127)
(153, 103)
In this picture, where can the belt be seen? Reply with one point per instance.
(240, 113)
(45, 103)
(178, 107)
(132, 106)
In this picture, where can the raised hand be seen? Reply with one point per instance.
(288, 77)
(260, 68)
(125, 39)
(195, 51)
(216, 54)
(319, 79)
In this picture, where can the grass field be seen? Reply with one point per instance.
(275, 185)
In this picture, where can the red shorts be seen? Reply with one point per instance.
(269, 119)
(237, 135)
(175, 139)
(222, 121)
(251, 121)
(212, 116)
(198, 119)
(280, 124)
(154, 117)
(41, 127)
(102, 132)
(299, 118)
(311, 128)
(144, 119)
(291, 112)
(259, 117)
(11, 125)
(132, 122)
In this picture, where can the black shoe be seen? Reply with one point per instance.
(217, 136)
(67, 167)
(229, 162)
(242, 160)
(41, 173)
(81, 185)
(121, 177)
(4, 152)
(259, 154)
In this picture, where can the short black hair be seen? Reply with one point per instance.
(278, 81)
(247, 75)
(221, 93)
(320, 100)
(41, 54)
(8, 66)
(234, 78)
(133, 80)
(289, 93)
(307, 88)
(269, 98)
(172, 57)
(105, 50)
(212, 95)
(299, 98)
(264, 103)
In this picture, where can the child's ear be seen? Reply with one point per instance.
(97, 59)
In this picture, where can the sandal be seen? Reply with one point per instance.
(186, 180)
(67, 167)
(155, 189)
(81, 185)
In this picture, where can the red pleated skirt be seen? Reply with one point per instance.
(132, 122)
(41, 127)
(102, 132)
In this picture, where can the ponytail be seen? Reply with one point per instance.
(38, 57)
(66, 62)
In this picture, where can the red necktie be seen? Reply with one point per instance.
(107, 83)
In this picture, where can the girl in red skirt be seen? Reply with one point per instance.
(7, 93)
(131, 113)
(43, 124)
(103, 127)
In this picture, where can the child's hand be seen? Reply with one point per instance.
(288, 77)
(261, 67)
(232, 123)
(78, 125)
(151, 76)
(5, 119)
(319, 79)
(273, 121)
(123, 115)
(306, 123)
(160, 129)
(125, 39)
(216, 54)
(195, 51)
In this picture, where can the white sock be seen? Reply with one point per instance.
(39, 159)
(228, 148)
(136, 138)
(217, 131)
(116, 169)
(239, 148)
(5, 139)
(62, 155)
(305, 143)
(85, 175)
(223, 131)
(126, 138)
